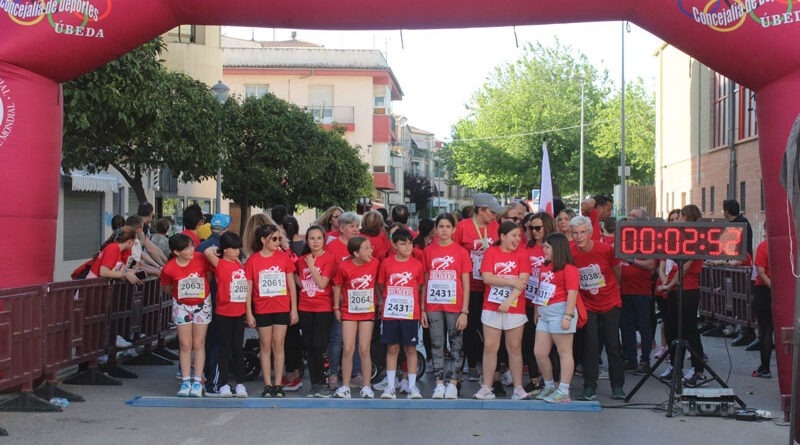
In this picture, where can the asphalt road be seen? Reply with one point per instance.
(105, 418)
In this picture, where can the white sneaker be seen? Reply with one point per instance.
(388, 394)
(519, 394)
(689, 373)
(506, 379)
(367, 393)
(438, 392)
(381, 386)
(197, 389)
(342, 393)
(225, 391)
(186, 386)
(122, 343)
(485, 393)
(241, 391)
(451, 392)
(404, 386)
(413, 393)
(667, 373)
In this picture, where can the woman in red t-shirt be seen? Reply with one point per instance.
(537, 226)
(270, 280)
(688, 309)
(556, 316)
(186, 277)
(354, 306)
(315, 271)
(110, 263)
(232, 299)
(505, 271)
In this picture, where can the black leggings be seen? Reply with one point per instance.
(690, 334)
(762, 304)
(231, 336)
(316, 328)
(473, 335)
(293, 348)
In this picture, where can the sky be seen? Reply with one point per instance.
(439, 70)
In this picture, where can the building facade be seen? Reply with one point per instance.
(706, 141)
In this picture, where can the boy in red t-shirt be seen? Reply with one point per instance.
(400, 281)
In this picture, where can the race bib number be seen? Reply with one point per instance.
(271, 284)
(399, 306)
(192, 287)
(360, 301)
(533, 285)
(500, 294)
(441, 292)
(591, 277)
(477, 260)
(238, 290)
(544, 293)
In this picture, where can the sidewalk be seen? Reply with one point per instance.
(105, 418)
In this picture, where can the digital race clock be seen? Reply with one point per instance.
(680, 240)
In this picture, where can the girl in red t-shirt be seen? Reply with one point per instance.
(110, 263)
(232, 298)
(354, 306)
(185, 276)
(447, 272)
(556, 316)
(271, 289)
(315, 270)
(505, 271)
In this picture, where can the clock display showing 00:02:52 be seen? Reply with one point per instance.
(680, 240)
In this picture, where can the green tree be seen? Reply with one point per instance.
(498, 146)
(640, 132)
(274, 153)
(134, 115)
(419, 190)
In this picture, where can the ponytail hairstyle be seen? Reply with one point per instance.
(125, 234)
(263, 231)
(178, 242)
(425, 228)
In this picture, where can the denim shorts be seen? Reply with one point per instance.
(550, 317)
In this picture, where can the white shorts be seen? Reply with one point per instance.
(503, 321)
(191, 314)
(550, 319)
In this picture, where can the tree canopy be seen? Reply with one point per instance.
(134, 115)
(274, 153)
(497, 147)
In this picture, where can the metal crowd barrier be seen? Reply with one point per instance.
(726, 295)
(54, 327)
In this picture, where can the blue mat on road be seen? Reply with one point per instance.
(308, 403)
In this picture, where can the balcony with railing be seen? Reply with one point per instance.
(328, 116)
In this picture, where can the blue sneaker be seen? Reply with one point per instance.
(197, 389)
(186, 387)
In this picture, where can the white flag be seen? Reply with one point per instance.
(546, 197)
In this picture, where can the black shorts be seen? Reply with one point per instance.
(267, 320)
(400, 332)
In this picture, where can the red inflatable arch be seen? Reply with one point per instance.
(45, 42)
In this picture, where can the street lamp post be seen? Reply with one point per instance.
(580, 185)
(220, 92)
(623, 189)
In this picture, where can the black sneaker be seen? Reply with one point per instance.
(498, 390)
(696, 380)
(628, 366)
(642, 369)
(533, 388)
(277, 391)
(267, 392)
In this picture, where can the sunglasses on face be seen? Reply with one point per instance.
(535, 228)
(335, 217)
(275, 238)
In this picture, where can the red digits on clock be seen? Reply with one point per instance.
(675, 240)
(629, 240)
(714, 242)
(648, 236)
(733, 238)
(690, 242)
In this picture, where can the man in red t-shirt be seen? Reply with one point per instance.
(636, 286)
(599, 275)
(476, 234)
(597, 208)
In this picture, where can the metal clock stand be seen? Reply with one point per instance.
(680, 346)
